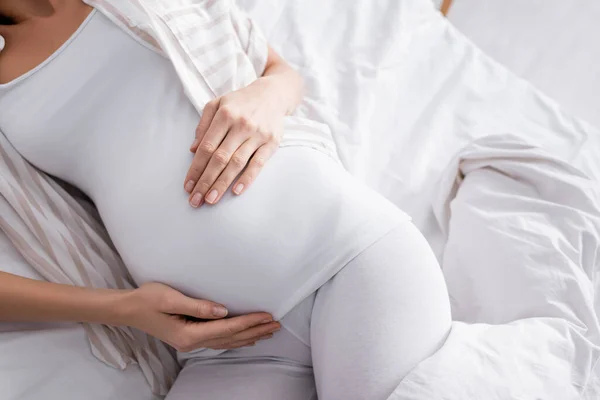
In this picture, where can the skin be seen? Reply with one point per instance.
(241, 130)
(153, 308)
(236, 136)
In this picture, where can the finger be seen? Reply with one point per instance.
(236, 165)
(246, 343)
(226, 328)
(208, 113)
(235, 345)
(255, 165)
(210, 142)
(252, 334)
(203, 309)
(217, 164)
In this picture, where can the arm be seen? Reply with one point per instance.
(153, 308)
(445, 7)
(23, 299)
(282, 82)
(241, 131)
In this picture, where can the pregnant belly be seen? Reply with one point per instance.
(300, 222)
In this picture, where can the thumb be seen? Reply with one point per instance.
(196, 308)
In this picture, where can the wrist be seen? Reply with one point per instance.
(121, 307)
(283, 91)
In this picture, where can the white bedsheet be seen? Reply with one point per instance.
(521, 257)
(552, 43)
(409, 97)
(54, 361)
(414, 105)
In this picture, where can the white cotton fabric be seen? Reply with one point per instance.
(521, 259)
(552, 44)
(113, 120)
(364, 330)
(215, 49)
(62, 240)
(54, 362)
(421, 95)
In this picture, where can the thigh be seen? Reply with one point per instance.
(243, 379)
(274, 369)
(376, 319)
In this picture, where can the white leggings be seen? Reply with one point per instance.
(355, 338)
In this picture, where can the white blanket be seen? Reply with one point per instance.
(522, 254)
(551, 43)
(414, 106)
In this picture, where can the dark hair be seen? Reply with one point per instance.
(6, 20)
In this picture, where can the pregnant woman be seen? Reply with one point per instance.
(357, 291)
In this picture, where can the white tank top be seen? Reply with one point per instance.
(110, 116)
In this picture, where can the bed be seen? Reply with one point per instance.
(501, 180)
(551, 43)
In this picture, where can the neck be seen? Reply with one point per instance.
(16, 11)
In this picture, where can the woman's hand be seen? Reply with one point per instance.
(161, 311)
(240, 132)
(154, 308)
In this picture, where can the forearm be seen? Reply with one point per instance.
(23, 299)
(283, 82)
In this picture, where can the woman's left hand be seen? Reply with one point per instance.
(239, 130)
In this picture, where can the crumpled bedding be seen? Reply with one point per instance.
(503, 183)
(521, 257)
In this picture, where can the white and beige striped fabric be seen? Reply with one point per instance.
(215, 49)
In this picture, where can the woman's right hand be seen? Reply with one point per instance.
(161, 311)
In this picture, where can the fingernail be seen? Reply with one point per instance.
(238, 189)
(194, 143)
(266, 321)
(189, 186)
(219, 311)
(212, 196)
(265, 337)
(195, 202)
